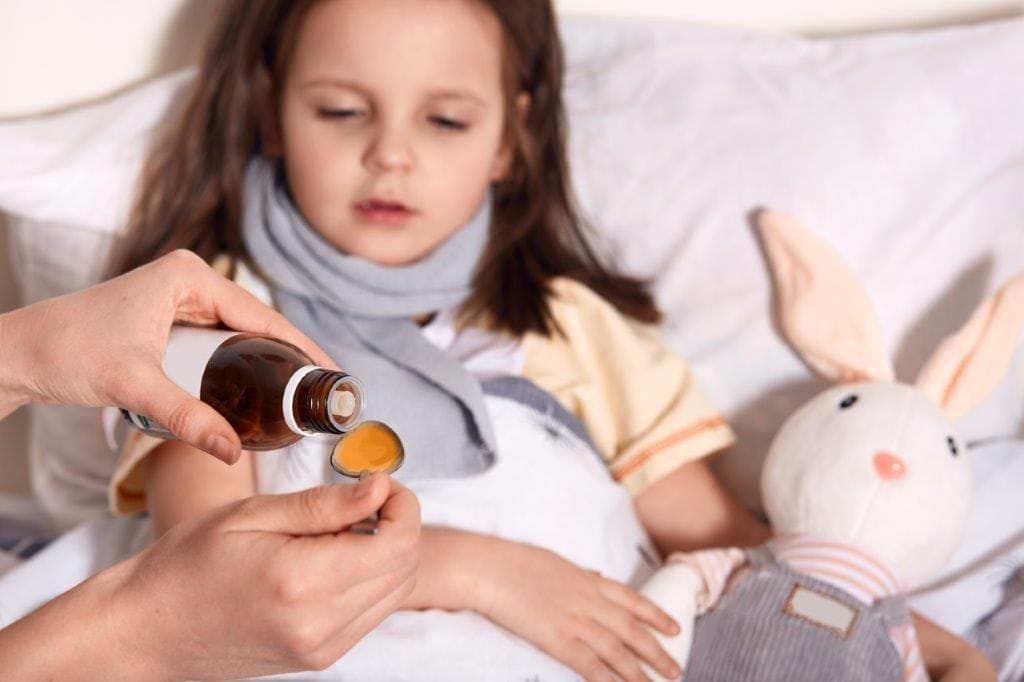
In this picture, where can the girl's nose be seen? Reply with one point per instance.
(888, 466)
(388, 152)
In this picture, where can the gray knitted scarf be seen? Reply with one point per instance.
(361, 314)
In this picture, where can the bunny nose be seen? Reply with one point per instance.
(888, 466)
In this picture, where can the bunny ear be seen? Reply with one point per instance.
(822, 309)
(966, 366)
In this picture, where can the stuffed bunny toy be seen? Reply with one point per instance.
(866, 487)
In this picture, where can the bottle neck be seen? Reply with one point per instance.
(325, 401)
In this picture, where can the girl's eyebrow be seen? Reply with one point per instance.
(459, 94)
(334, 83)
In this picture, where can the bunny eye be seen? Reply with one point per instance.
(848, 401)
(953, 450)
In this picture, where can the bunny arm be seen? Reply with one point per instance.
(904, 638)
(685, 587)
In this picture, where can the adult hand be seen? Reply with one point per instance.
(104, 345)
(594, 625)
(269, 584)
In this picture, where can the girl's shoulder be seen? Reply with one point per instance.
(569, 293)
(594, 343)
(580, 315)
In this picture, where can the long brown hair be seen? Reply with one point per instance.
(190, 193)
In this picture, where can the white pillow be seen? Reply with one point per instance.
(66, 182)
(78, 167)
(904, 150)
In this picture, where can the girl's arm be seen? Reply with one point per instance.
(591, 624)
(689, 509)
(949, 658)
(183, 482)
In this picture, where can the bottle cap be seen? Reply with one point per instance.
(345, 404)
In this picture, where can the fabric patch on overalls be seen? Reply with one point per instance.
(820, 609)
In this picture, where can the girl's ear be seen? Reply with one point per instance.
(820, 307)
(966, 366)
(506, 153)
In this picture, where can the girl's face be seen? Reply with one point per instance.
(392, 121)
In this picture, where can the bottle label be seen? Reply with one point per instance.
(144, 423)
(188, 351)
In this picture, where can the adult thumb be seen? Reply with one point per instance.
(321, 510)
(191, 420)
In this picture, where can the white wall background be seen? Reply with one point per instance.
(55, 52)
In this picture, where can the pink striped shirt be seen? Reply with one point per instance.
(835, 563)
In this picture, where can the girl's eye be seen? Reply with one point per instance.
(447, 123)
(951, 444)
(338, 113)
(848, 401)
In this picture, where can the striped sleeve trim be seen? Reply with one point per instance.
(624, 470)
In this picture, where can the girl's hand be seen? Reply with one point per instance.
(594, 625)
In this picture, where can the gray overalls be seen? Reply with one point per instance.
(755, 633)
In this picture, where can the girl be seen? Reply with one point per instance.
(392, 175)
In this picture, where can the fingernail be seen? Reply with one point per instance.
(364, 486)
(222, 448)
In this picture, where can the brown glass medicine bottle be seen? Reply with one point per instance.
(268, 390)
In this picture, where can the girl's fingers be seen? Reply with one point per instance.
(613, 652)
(579, 656)
(637, 637)
(623, 619)
(641, 607)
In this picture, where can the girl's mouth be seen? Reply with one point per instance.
(383, 212)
